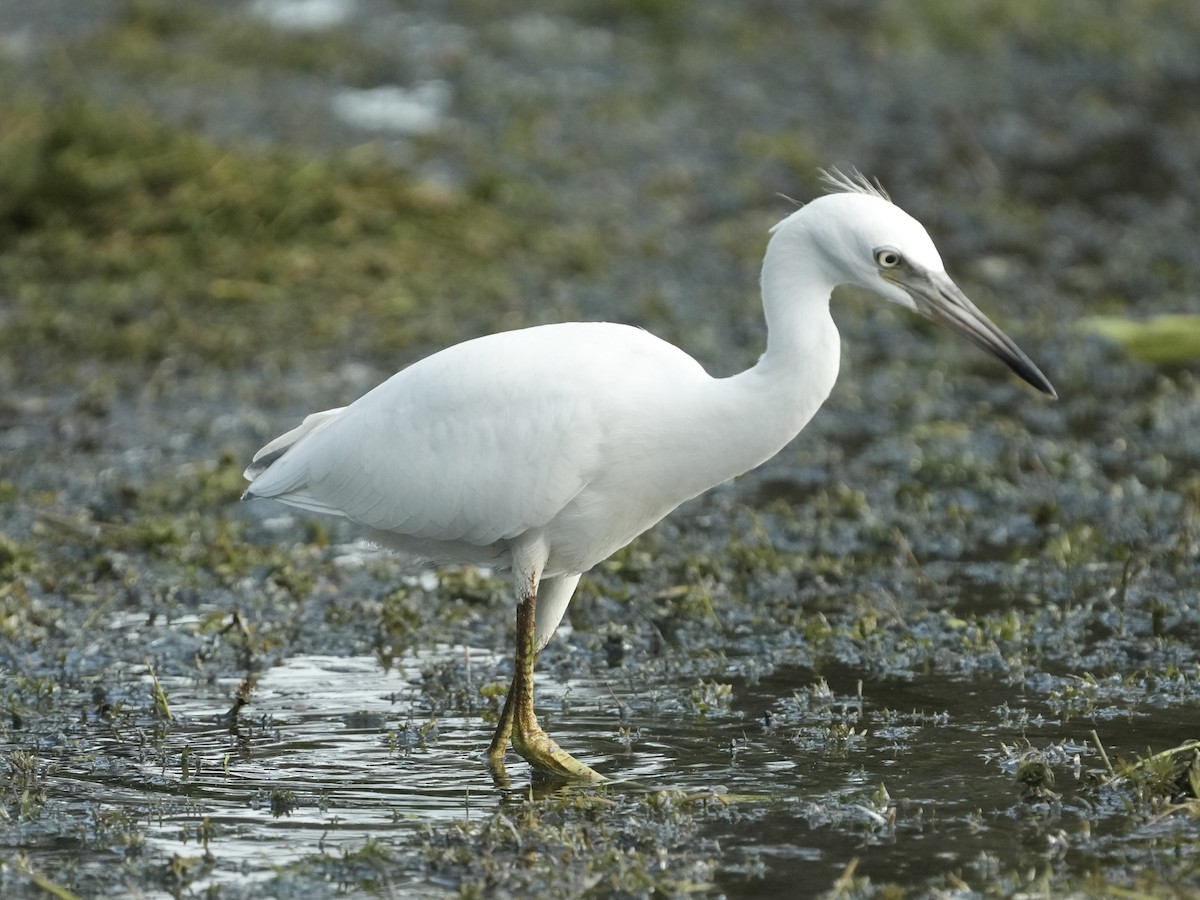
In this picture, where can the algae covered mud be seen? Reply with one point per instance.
(944, 644)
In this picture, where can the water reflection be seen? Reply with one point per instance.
(793, 775)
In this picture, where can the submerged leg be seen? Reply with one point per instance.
(499, 744)
(528, 739)
(518, 721)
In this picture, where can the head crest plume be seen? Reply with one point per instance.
(853, 182)
(836, 181)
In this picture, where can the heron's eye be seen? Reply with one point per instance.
(888, 258)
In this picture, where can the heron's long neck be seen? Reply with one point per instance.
(803, 352)
(795, 296)
(768, 404)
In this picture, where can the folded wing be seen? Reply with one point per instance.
(476, 444)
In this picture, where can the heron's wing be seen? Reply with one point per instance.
(478, 443)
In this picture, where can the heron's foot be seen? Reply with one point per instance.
(543, 753)
(499, 745)
(496, 752)
(499, 771)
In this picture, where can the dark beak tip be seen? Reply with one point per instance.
(1048, 392)
(1034, 378)
(938, 298)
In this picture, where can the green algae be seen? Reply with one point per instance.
(1168, 340)
(128, 241)
(153, 38)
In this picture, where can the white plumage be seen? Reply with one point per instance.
(546, 449)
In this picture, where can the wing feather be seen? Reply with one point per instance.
(476, 444)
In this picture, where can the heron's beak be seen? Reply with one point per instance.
(939, 298)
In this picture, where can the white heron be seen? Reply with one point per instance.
(546, 449)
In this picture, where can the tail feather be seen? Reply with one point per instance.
(267, 456)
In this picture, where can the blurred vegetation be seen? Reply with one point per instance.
(1169, 340)
(124, 240)
(199, 41)
(1044, 26)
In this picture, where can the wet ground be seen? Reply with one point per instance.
(943, 645)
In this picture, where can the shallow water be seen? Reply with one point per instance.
(328, 758)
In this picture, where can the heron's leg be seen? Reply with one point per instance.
(553, 595)
(499, 745)
(503, 733)
(529, 740)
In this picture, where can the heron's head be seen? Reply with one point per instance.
(862, 238)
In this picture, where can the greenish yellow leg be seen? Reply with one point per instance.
(499, 745)
(518, 722)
